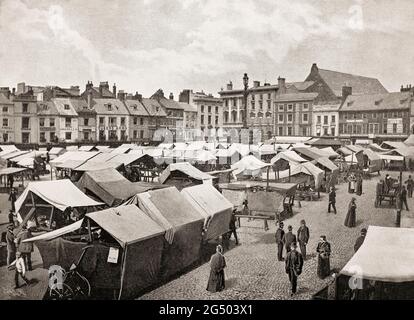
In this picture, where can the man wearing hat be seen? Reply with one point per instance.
(303, 237)
(293, 266)
(289, 238)
(25, 248)
(360, 240)
(280, 233)
(11, 246)
(324, 254)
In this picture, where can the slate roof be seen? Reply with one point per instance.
(4, 100)
(117, 107)
(151, 105)
(81, 106)
(372, 102)
(360, 85)
(136, 108)
(60, 106)
(47, 108)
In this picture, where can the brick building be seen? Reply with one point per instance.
(6, 115)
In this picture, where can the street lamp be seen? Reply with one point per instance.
(245, 92)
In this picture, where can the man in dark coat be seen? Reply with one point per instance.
(26, 248)
(332, 200)
(360, 240)
(288, 239)
(403, 196)
(216, 281)
(293, 266)
(410, 186)
(280, 233)
(232, 227)
(303, 238)
(11, 246)
(13, 198)
(324, 253)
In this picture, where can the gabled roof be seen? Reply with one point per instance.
(60, 104)
(171, 104)
(81, 106)
(47, 108)
(136, 108)
(101, 106)
(360, 85)
(153, 107)
(185, 168)
(106, 93)
(374, 102)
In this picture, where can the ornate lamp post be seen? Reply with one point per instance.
(245, 93)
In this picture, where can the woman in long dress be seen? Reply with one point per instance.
(359, 186)
(216, 281)
(350, 220)
(324, 254)
(351, 183)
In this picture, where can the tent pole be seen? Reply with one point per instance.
(267, 182)
(123, 272)
(89, 230)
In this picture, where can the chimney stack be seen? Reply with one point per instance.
(89, 98)
(114, 90)
(171, 96)
(281, 82)
(121, 95)
(230, 86)
(346, 91)
(256, 84)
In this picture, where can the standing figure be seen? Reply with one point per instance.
(303, 238)
(293, 266)
(351, 183)
(388, 182)
(332, 200)
(324, 253)
(216, 281)
(288, 239)
(13, 198)
(20, 270)
(410, 186)
(25, 248)
(232, 227)
(359, 185)
(350, 220)
(280, 234)
(11, 181)
(403, 196)
(11, 246)
(360, 240)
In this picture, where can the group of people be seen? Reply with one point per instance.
(355, 183)
(19, 252)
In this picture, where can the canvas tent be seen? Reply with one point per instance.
(249, 166)
(182, 222)
(45, 197)
(372, 161)
(331, 154)
(112, 187)
(213, 206)
(138, 239)
(183, 172)
(410, 140)
(55, 152)
(78, 156)
(386, 256)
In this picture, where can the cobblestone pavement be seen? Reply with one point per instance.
(253, 271)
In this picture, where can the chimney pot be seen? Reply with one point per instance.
(114, 90)
(230, 86)
(256, 84)
(171, 96)
(281, 83)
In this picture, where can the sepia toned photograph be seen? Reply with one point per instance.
(205, 150)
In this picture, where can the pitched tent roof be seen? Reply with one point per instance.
(330, 152)
(323, 142)
(384, 256)
(74, 155)
(326, 163)
(307, 168)
(354, 148)
(185, 168)
(344, 151)
(213, 206)
(372, 156)
(112, 187)
(127, 224)
(14, 154)
(375, 147)
(8, 147)
(288, 155)
(88, 148)
(311, 153)
(126, 158)
(410, 140)
(393, 145)
(56, 151)
(249, 165)
(59, 193)
(95, 166)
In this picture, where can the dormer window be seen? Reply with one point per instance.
(66, 106)
(350, 103)
(109, 107)
(135, 107)
(377, 103)
(402, 101)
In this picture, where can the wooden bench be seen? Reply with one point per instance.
(264, 218)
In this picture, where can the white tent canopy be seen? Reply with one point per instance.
(386, 255)
(59, 193)
(249, 165)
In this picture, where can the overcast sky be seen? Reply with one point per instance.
(143, 45)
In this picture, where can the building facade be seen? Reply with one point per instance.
(6, 116)
(139, 120)
(25, 118)
(325, 120)
(381, 116)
